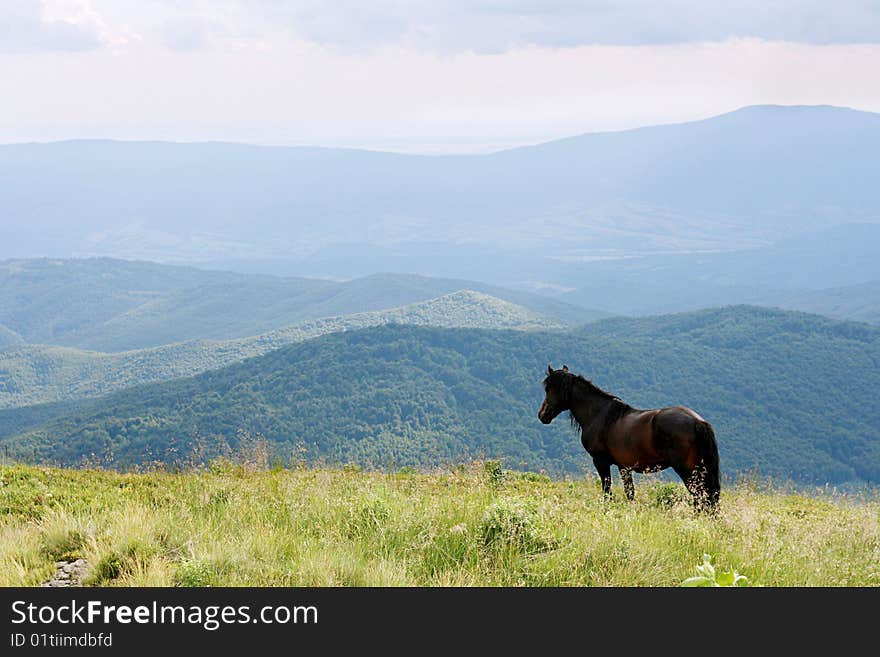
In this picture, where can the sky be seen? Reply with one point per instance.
(425, 76)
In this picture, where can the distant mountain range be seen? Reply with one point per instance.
(8, 337)
(792, 273)
(36, 374)
(111, 305)
(856, 302)
(791, 395)
(623, 221)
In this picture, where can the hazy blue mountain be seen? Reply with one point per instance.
(790, 395)
(842, 256)
(856, 302)
(104, 304)
(35, 374)
(8, 337)
(527, 216)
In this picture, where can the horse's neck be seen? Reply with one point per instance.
(589, 409)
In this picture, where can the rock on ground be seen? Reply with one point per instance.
(68, 573)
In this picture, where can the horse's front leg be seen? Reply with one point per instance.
(626, 476)
(603, 467)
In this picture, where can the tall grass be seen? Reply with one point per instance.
(240, 526)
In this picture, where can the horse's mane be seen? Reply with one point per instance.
(617, 409)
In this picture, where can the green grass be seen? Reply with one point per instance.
(235, 526)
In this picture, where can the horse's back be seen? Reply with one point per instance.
(680, 417)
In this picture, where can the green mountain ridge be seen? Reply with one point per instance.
(37, 374)
(791, 396)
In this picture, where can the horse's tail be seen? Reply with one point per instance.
(707, 449)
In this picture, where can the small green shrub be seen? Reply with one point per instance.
(108, 568)
(223, 466)
(534, 477)
(63, 543)
(515, 524)
(666, 496)
(710, 577)
(196, 573)
(494, 471)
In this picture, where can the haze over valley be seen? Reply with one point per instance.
(766, 204)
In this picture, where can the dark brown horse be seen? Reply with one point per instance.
(615, 433)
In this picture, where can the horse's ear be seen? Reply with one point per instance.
(549, 369)
(565, 368)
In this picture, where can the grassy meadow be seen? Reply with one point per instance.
(475, 525)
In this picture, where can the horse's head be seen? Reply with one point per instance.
(556, 394)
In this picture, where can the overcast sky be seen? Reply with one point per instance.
(419, 75)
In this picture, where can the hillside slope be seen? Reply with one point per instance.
(37, 374)
(791, 395)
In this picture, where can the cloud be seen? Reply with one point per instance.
(36, 26)
(186, 34)
(393, 74)
(500, 25)
(447, 26)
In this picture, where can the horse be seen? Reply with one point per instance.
(615, 433)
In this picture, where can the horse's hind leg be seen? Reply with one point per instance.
(626, 476)
(694, 482)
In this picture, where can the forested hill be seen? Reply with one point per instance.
(37, 374)
(790, 395)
